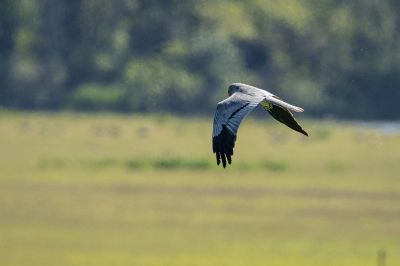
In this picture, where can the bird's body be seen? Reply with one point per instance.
(230, 112)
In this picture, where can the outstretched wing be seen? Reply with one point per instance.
(282, 114)
(230, 112)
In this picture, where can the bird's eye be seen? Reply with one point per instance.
(231, 89)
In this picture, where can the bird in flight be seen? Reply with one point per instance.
(230, 112)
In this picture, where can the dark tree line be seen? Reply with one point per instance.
(335, 58)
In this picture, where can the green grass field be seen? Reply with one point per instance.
(127, 190)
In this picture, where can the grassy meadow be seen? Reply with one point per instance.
(103, 189)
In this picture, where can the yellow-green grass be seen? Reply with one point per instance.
(105, 189)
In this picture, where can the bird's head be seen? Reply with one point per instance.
(234, 87)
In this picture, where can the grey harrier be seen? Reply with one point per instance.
(231, 111)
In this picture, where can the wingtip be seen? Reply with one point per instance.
(296, 109)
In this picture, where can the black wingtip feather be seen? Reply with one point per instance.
(223, 145)
(218, 155)
(229, 158)
(223, 160)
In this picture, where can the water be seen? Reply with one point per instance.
(384, 127)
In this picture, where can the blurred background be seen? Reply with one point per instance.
(335, 58)
(105, 133)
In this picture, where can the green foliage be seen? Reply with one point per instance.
(97, 97)
(168, 55)
(275, 166)
(151, 80)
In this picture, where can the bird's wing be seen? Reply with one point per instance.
(279, 102)
(230, 112)
(282, 114)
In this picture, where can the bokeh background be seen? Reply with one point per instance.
(335, 58)
(105, 133)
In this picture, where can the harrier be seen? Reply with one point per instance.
(231, 111)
